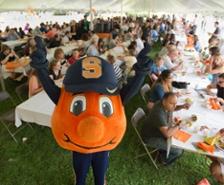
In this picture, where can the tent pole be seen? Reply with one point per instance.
(121, 12)
(90, 10)
(150, 8)
(91, 14)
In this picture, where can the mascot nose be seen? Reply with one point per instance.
(90, 129)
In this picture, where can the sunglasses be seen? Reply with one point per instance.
(220, 82)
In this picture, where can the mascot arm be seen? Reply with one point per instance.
(142, 68)
(40, 64)
(52, 90)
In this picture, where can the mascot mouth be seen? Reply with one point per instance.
(68, 140)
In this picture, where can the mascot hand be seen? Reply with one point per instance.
(38, 57)
(144, 62)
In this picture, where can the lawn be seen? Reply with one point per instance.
(39, 161)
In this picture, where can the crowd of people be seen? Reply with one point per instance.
(125, 44)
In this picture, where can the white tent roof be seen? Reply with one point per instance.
(115, 5)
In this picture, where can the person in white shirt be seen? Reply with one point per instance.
(168, 59)
(94, 36)
(140, 44)
(65, 38)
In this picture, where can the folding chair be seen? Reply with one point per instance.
(137, 116)
(9, 116)
(145, 88)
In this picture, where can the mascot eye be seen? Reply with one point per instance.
(106, 106)
(78, 105)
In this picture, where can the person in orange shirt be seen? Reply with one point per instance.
(51, 33)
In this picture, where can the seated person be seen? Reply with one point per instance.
(55, 41)
(166, 48)
(55, 70)
(101, 46)
(197, 44)
(93, 49)
(34, 83)
(21, 33)
(7, 55)
(139, 44)
(51, 33)
(215, 66)
(160, 87)
(75, 56)
(12, 35)
(66, 38)
(216, 31)
(154, 33)
(133, 48)
(190, 42)
(60, 56)
(130, 59)
(213, 41)
(217, 165)
(157, 68)
(157, 127)
(170, 57)
(220, 88)
(30, 32)
(217, 170)
(117, 69)
(111, 43)
(207, 55)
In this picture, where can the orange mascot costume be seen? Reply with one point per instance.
(89, 117)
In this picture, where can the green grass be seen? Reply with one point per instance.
(40, 161)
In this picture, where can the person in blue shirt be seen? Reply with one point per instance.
(157, 68)
(154, 33)
(197, 44)
(160, 87)
(162, 28)
(93, 49)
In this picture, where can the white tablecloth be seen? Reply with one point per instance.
(213, 119)
(38, 109)
(68, 48)
(7, 73)
(12, 44)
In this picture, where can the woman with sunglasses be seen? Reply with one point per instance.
(161, 86)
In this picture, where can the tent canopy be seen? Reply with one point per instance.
(115, 5)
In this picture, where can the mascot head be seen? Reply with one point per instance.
(89, 116)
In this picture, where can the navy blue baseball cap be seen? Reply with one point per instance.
(91, 74)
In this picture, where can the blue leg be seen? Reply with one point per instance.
(100, 164)
(81, 164)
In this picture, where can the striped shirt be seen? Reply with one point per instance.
(118, 71)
